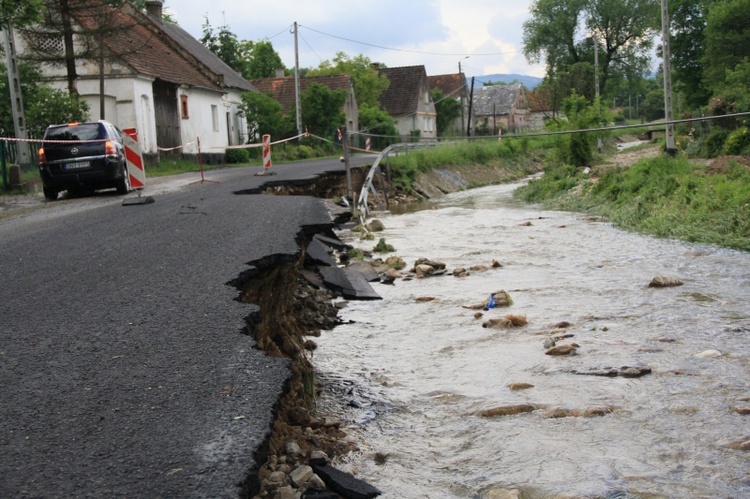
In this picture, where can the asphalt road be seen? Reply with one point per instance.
(125, 367)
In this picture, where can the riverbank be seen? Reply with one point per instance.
(706, 201)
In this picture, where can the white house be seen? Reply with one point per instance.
(409, 101)
(157, 79)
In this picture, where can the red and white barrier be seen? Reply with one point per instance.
(266, 151)
(134, 160)
(367, 144)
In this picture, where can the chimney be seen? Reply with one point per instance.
(154, 9)
(279, 72)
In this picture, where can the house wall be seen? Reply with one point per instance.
(214, 119)
(424, 120)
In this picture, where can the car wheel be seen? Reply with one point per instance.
(50, 193)
(123, 184)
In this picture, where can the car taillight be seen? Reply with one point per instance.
(110, 149)
(42, 156)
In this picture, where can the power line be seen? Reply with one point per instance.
(407, 50)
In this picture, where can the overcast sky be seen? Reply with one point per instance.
(435, 33)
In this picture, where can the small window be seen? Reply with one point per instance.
(215, 117)
(184, 106)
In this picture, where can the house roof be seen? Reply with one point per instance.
(156, 49)
(283, 89)
(403, 94)
(204, 55)
(450, 84)
(496, 100)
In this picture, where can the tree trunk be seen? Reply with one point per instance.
(70, 58)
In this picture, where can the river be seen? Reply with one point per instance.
(410, 377)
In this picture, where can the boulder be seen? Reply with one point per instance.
(424, 270)
(460, 272)
(426, 261)
(376, 226)
(507, 322)
(567, 349)
(664, 282)
(506, 410)
(301, 475)
(519, 386)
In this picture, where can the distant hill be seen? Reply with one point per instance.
(530, 82)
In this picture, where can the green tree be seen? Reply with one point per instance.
(688, 23)
(226, 45)
(20, 13)
(367, 81)
(264, 61)
(653, 105)
(727, 39)
(448, 110)
(322, 110)
(43, 105)
(375, 121)
(560, 33)
(52, 106)
(263, 114)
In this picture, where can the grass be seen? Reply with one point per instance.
(662, 196)
(513, 154)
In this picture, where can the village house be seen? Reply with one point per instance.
(157, 79)
(453, 86)
(500, 107)
(409, 101)
(282, 89)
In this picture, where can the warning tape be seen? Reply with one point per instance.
(173, 148)
(50, 141)
(250, 146)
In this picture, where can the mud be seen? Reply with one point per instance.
(291, 309)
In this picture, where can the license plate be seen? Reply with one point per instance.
(76, 166)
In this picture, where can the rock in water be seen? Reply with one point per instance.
(506, 410)
(664, 282)
(569, 349)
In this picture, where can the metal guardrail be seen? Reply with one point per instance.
(362, 202)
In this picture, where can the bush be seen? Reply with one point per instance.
(738, 142)
(714, 143)
(234, 156)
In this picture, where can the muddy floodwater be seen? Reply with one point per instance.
(411, 376)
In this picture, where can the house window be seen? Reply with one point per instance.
(184, 106)
(215, 117)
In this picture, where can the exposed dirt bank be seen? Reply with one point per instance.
(445, 180)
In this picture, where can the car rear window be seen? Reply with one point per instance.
(87, 131)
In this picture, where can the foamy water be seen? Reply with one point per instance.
(420, 371)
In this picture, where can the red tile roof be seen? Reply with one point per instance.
(448, 84)
(139, 43)
(282, 89)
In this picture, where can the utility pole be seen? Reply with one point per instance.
(471, 104)
(599, 144)
(461, 94)
(296, 82)
(667, 66)
(16, 96)
(347, 167)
